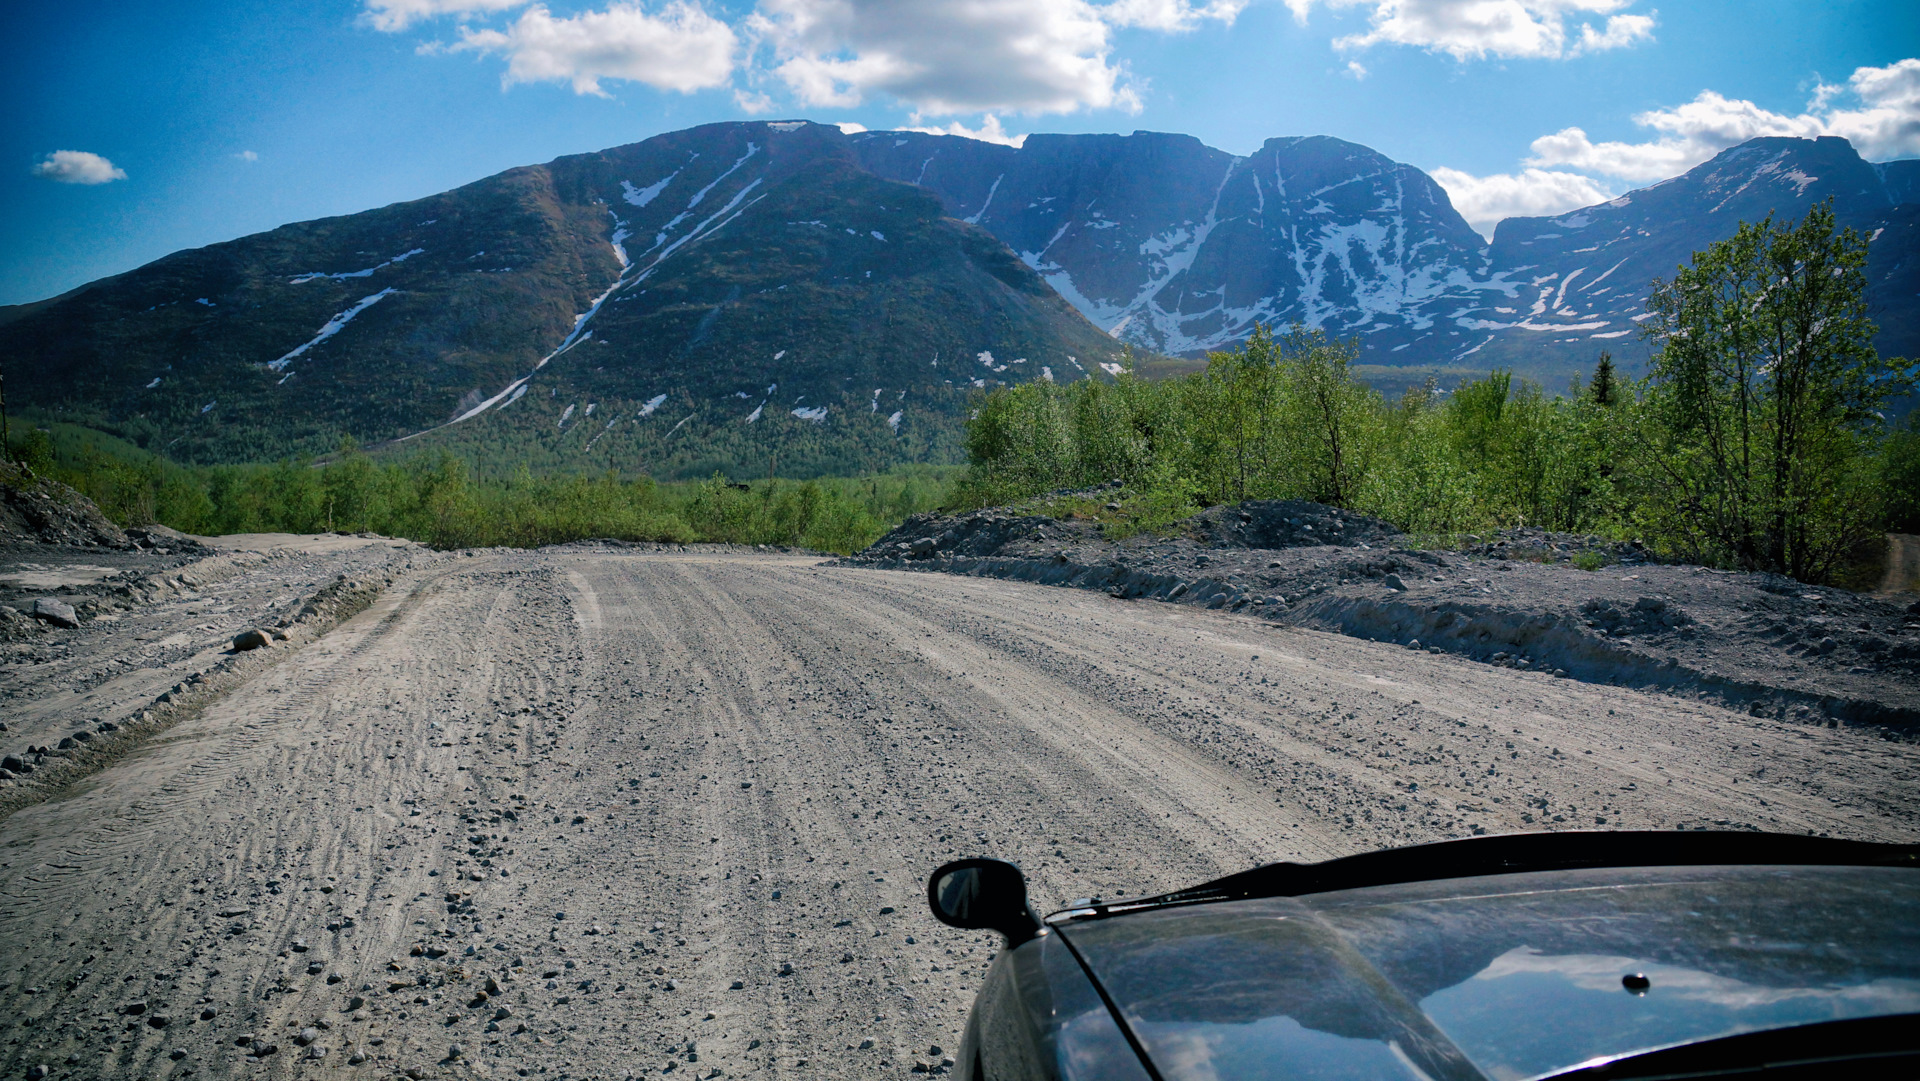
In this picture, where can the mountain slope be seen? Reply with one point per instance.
(1587, 272)
(1181, 248)
(723, 273)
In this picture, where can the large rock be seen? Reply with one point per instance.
(48, 610)
(252, 638)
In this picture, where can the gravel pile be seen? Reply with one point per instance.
(1765, 644)
(1545, 546)
(38, 510)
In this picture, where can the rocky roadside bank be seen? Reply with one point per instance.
(1767, 645)
(104, 648)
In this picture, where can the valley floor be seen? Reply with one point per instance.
(593, 810)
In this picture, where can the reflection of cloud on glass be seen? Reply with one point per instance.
(1529, 1013)
(1594, 972)
(1275, 1047)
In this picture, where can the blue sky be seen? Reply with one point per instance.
(140, 129)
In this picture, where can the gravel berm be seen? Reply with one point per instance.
(1761, 643)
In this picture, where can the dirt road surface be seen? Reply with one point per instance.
(594, 813)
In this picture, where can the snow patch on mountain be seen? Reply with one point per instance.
(643, 196)
(367, 273)
(332, 327)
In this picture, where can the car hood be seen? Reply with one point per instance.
(1504, 977)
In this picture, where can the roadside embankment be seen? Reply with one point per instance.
(1761, 643)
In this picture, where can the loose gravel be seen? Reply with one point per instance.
(599, 810)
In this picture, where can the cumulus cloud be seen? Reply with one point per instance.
(78, 167)
(682, 48)
(1473, 29)
(1485, 200)
(1878, 110)
(1887, 123)
(1883, 121)
(989, 131)
(1356, 70)
(1170, 15)
(957, 57)
(395, 15)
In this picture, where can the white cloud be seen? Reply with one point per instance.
(247, 155)
(1878, 110)
(957, 57)
(1884, 124)
(393, 15)
(989, 131)
(78, 167)
(1485, 200)
(683, 48)
(753, 102)
(1888, 123)
(1472, 29)
(1170, 15)
(1356, 70)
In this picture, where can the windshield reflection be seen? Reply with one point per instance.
(1530, 1013)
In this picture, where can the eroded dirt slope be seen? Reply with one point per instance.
(591, 810)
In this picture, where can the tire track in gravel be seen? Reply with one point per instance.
(613, 761)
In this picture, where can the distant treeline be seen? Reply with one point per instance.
(1755, 441)
(436, 499)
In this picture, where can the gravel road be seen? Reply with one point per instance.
(592, 811)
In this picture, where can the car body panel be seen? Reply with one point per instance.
(1038, 1016)
(1506, 976)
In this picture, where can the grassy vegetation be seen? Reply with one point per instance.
(436, 499)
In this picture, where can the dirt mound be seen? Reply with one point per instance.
(1765, 644)
(1544, 546)
(1256, 524)
(38, 510)
(1289, 523)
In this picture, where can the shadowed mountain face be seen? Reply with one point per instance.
(1180, 248)
(724, 296)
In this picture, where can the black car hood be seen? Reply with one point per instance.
(1504, 977)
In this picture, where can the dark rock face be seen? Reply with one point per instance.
(1289, 523)
(1181, 248)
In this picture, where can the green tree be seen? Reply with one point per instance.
(1763, 399)
(1605, 388)
(1333, 416)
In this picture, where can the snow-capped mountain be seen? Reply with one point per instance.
(710, 298)
(1180, 248)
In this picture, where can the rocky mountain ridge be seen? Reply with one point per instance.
(1180, 248)
(757, 295)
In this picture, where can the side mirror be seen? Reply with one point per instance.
(982, 894)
